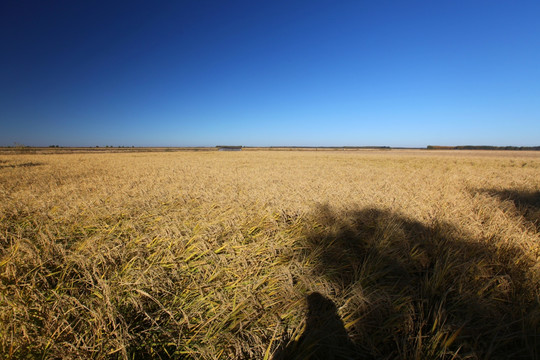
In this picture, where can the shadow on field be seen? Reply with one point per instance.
(324, 337)
(5, 164)
(526, 202)
(416, 291)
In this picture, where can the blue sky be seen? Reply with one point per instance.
(260, 73)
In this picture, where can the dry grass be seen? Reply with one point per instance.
(207, 255)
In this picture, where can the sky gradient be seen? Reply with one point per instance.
(263, 73)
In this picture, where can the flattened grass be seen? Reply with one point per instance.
(212, 255)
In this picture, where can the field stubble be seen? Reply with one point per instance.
(207, 255)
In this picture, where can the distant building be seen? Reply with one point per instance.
(229, 148)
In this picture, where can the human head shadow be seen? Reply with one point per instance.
(526, 202)
(324, 336)
(424, 291)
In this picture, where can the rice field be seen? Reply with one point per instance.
(379, 254)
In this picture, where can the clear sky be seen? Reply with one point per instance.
(202, 73)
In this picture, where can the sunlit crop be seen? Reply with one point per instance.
(270, 254)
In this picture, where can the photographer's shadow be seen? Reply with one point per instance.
(324, 337)
(414, 290)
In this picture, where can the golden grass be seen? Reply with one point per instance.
(212, 255)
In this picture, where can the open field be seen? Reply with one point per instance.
(270, 254)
